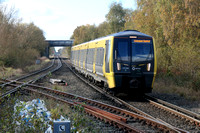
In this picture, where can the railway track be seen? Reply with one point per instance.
(111, 118)
(25, 80)
(128, 121)
(183, 114)
(28, 75)
(123, 119)
(192, 117)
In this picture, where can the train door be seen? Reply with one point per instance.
(109, 74)
(107, 56)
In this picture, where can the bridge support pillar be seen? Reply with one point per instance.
(47, 52)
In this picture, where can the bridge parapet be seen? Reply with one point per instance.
(58, 43)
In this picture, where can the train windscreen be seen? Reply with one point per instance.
(123, 50)
(141, 50)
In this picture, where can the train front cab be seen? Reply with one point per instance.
(134, 63)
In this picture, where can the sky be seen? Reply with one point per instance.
(59, 18)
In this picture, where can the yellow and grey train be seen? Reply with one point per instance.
(124, 61)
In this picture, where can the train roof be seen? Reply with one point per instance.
(129, 33)
(125, 33)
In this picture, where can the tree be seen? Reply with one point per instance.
(175, 26)
(129, 24)
(102, 29)
(20, 44)
(84, 33)
(116, 17)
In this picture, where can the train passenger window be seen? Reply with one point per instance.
(78, 55)
(89, 59)
(99, 56)
(84, 54)
(72, 55)
(90, 56)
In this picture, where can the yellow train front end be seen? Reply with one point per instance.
(133, 63)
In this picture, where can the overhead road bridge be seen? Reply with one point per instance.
(57, 43)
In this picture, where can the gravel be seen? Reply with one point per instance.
(76, 86)
(179, 101)
(163, 115)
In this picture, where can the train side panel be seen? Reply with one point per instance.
(155, 63)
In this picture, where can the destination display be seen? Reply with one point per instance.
(142, 41)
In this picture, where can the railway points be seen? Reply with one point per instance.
(129, 115)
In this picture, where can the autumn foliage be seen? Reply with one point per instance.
(174, 24)
(20, 43)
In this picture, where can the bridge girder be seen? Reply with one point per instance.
(57, 43)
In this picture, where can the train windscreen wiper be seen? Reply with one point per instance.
(150, 54)
(117, 55)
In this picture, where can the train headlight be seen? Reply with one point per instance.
(148, 66)
(118, 66)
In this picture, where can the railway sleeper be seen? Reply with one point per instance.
(96, 116)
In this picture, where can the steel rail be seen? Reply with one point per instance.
(42, 76)
(29, 82)
(183, 113)
(29, 75)
(125, 113)
(116, 122)
(93, 86)
(175, 107)
(34, 73)
(119, 100)
(148, 120)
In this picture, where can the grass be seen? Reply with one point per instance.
(79, 121)
(176, 85)
(8, 72)
(58, 87)
(34, 67)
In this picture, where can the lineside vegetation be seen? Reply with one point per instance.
(20, 43)
(175, 26)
